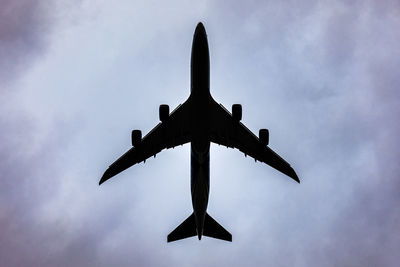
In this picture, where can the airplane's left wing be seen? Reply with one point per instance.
(226, 131)
(173, 132)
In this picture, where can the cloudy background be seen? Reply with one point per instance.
(77, 77)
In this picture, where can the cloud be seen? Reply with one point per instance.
(24, 29)
(335, 65)
(323, 77)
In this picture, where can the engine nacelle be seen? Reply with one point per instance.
(164, 112)
(237, 112)
(263, 136)
(136, 137)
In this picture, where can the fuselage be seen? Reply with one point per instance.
(200, 145)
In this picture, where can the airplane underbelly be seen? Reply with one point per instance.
(200, 180)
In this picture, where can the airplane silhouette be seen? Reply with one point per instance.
(200, 120)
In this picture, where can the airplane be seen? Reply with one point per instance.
(199, 120)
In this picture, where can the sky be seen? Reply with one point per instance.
(77, 77)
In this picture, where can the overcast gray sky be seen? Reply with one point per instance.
(76, 78)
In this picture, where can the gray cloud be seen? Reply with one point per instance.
(24, 29)
(341, 110)
(323, 77)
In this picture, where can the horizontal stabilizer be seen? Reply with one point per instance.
(184, 230)
(215, 230)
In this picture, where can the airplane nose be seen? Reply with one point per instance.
(200, 29)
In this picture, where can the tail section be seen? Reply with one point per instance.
(184, 230)
(215, 230)
(188, 229)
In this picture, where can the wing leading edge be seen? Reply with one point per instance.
(225, 131)
(173, 132)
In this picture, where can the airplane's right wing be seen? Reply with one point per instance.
(226, 131)
(173, 132)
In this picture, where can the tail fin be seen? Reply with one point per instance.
(215, 230)
(188, 229)
(184, 230)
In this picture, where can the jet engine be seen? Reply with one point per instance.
(263, 136)
(136, 137)
(237, 112)
(164, 112)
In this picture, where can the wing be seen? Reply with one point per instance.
(175, 131)
(225, 131)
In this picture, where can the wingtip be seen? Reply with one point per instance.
(292, 174)
(295, 177)
(105, 177)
